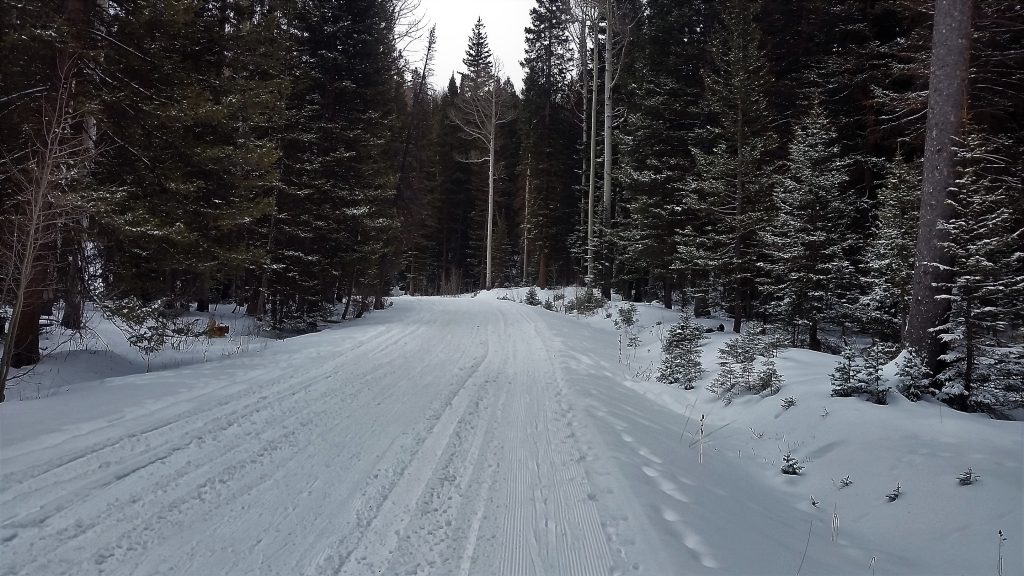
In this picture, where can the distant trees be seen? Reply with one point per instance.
(482, 106)
(793, 162)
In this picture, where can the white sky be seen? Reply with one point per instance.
(503, 19)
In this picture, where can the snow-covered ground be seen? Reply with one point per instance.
(475, 436)
(77, 358)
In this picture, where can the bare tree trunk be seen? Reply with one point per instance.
(526, 222)
(203, 292)
(593, 167)
(947, 87)
(739, 247)
(490, 186)
(43, 206)
(74, 313)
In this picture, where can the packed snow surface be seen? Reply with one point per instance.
(474, 436)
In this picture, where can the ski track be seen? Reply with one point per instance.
(447, 442)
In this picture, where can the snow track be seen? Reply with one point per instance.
(438, 440)
(477, 437)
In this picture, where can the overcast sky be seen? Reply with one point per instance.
(504, 20)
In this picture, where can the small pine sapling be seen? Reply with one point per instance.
(790, 465)
(814, 502)
(845, 482)
(869, 378)
(844, 383)
(895, 494)
(548, 305)
(788, 402)
(726, 380)
(768, 381)
(968, 477)
(532, 299)
(681, 364)
(912, 376)
(627, 317)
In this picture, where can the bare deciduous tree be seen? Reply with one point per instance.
(41, 204)
(479, 112)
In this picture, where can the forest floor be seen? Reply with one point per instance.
(475, 436)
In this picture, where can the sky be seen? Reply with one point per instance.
(503, 19)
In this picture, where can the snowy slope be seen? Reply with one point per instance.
(477, 437)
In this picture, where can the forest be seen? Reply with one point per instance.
(825, 169)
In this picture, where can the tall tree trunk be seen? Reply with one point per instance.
(203, 292)
(526, 222)
(947, 87)
(609, 78)
(25, 327)
(490, 198)
(74, 314)
(813, 342)
(593, 166)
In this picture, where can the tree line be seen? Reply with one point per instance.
(761, 158)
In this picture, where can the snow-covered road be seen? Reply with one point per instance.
(474, 436)
(443, 440)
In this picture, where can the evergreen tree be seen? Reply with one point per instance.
(844, 377)
(733, 160)
(868, 378)
(658, 206)
(889, 258)
(548, 141)
(769, 381)
(985, 242)
(681, 357)
(811, 234)
(914, 379)
(337, 222)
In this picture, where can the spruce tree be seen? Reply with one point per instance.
(913, 377)
(844, 377)
(868, 378)
(811, 234)
(681, 357)
(660, 216)
(985, 240)
(548, 142)
(733, 157)
(889, 257)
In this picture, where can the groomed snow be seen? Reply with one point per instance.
(474, 436)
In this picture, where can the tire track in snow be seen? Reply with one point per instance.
(163, 476)
(385, 520)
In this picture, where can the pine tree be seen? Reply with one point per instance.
(769, 380)
(790, 465)
(733, 160)
(548, 130)
(914, 379)
(868, 377)
(681, 357)
(191, 147)
(889, 257)
(811, 234)
(985, 240)
(657, 204)
(844, 377)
